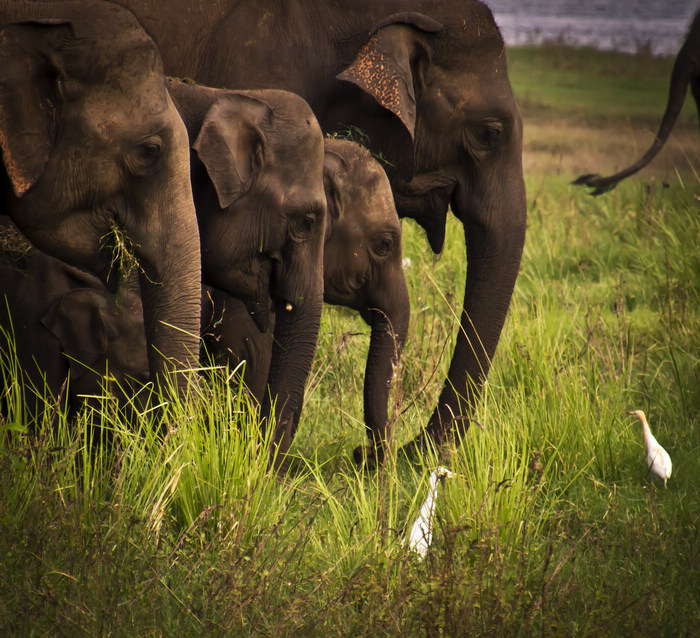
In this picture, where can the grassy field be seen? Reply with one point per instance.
(552, 525)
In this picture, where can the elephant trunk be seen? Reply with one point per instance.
(171, 319)
(293, 349)
(389, 322)
(494, 225)
(166, 237)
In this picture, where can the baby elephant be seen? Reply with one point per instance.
(362, 270)
(67, 329)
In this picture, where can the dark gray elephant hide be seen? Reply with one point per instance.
(426, 82)
(95, 159)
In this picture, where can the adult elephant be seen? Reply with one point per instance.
(427, 82)
(95, 152)
(686, 71)
(362, 270)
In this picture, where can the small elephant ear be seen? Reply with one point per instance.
(91, 328)
(382, 67)
(77, 321)
(29, 97)
(231, 144)
(334, 167)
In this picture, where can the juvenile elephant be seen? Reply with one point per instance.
(362, 269)
(68, 329)
(427, 82)
(94, 149)
(257, 177)
(686, 71)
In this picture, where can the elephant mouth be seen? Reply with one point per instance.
(426, 199)
(117, 260)
(258, 305)
(283, 299)
(425, 183)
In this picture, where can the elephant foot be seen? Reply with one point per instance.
(424, 443)
(371, 456)
(415, 449)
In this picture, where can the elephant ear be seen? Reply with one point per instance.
(334, 167)
(77, 320)
(383, 67)
(231, 144)
(91, 328)
(30, 73)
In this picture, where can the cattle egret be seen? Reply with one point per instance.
(422, 531)
(658, 460)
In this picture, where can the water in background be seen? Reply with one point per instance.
(623, 25)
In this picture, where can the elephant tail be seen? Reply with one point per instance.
(684, 70)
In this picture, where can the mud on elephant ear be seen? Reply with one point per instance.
(231, 145)
(390, 68)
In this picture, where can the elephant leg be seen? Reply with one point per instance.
(695, 89)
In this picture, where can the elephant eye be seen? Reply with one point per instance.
(304, 226)
(489, 135)
(145, 156)
(382, 245)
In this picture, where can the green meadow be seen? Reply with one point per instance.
(552, 524)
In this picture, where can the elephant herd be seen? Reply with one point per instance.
(144, 216)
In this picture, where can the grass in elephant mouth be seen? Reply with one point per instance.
(13, 244)
(123, 260)
(553, 526)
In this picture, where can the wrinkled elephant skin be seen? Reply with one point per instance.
(94, 150)
(426, 83)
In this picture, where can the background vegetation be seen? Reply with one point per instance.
(552, 526)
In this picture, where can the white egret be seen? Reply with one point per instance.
(658, 460)
(422, 531)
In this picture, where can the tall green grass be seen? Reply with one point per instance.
(552, 524)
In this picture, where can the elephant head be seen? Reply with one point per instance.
(431, 93)
(362, 269)
(68, 332)
(258, 185)
(94, 152)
